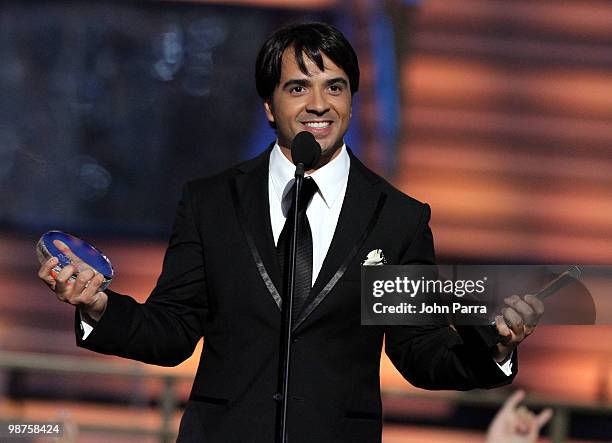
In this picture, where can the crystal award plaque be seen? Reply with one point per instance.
(85, 255)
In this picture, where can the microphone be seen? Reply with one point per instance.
(305, 153)
(305, 150)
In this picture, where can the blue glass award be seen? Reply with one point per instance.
(70, 249)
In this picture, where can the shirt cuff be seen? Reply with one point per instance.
(507, 366)
(86, 327)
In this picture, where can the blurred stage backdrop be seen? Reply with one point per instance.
(497, 113)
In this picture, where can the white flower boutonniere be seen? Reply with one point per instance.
(375, 258)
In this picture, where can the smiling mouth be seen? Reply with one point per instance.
(317, 125)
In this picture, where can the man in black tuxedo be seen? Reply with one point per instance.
(221, 277)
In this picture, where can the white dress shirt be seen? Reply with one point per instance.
(324, 208)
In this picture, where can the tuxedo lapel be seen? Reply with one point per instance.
(360, 210)
(250, 195)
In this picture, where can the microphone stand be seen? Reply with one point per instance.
(287, 320)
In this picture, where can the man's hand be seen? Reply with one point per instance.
(82, 291)
(518, 320)
(516, 425)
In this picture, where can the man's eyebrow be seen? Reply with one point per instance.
(296, 82)
(333, 81)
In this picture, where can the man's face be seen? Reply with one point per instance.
(319, 103)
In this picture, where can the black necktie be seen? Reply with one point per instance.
(303, 253)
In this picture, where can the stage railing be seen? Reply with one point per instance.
(83, 365)
(169, 404)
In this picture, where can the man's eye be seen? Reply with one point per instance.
(297, 89)
(335, 89)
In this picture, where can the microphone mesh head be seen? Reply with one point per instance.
(305, 149)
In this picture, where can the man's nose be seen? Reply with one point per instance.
(317, 104)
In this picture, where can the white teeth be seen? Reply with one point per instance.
(317, 124)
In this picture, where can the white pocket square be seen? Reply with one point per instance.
(375, 258)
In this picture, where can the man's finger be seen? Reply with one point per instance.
(47, 274)
(49, 281)
(525, 310)
(515, 321)
(46, 267)
(89, 295)
(513, 400)
(82, 280)
(543, 417)
(65, 274)
(64, 282)
(503, 329)
(536, 304)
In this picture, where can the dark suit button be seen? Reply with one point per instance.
(296, 339)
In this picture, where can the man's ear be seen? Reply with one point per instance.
(268, 109)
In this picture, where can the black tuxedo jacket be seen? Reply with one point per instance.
(221, 280)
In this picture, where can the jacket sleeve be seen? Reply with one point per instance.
(165, 329)
(436, 356)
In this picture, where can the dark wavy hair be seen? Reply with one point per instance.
(305, 38)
